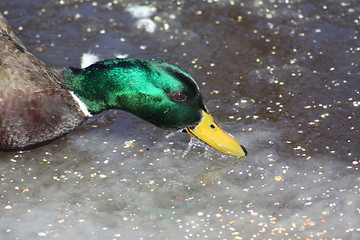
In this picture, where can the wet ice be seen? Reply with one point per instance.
(280, 76)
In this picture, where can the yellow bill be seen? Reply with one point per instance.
(209, 132)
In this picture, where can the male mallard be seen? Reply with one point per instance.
(39, 104)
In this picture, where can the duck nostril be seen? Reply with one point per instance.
(212, 126)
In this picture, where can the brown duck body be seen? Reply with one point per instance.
(35, 105)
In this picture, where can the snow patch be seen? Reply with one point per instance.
(138, 11)
(143, 14)
(88, 59)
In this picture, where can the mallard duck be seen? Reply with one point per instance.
(39, 104)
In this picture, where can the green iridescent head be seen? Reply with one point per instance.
(158, 92)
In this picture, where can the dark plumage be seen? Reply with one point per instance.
(35, 105)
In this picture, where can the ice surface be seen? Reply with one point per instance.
(281, 76)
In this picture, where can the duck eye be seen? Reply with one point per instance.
(179, 96)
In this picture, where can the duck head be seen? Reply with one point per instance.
(158, 92)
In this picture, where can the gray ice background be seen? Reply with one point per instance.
(281, 75)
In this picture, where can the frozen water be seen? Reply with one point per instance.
(281, 76)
